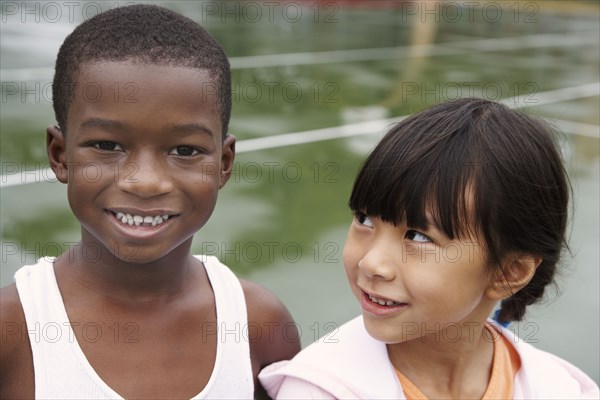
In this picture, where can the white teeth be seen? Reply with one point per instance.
(138, 220)
(157, 220)
(382, 302)
(120, 216)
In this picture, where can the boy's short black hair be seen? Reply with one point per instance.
(142, 33)
(474, 168)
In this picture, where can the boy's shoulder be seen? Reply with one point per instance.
(10, 305)
(16, 360)
(272, 332)
(269, 328)
(11, 315)
(13, 320)
(269, 323)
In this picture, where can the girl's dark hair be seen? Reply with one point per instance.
(474, 168)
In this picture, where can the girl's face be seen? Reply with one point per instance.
(413, 283)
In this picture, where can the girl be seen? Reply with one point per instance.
(458, 207)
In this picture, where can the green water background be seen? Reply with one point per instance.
(282, 219)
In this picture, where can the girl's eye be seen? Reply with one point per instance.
(184, 151)
(364, 220)
(108, 146)
(417, 236)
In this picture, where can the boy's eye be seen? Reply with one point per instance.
(184, 151)
(417, 236)
(108, 146)
(363, 219)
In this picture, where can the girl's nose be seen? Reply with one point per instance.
(378, 264)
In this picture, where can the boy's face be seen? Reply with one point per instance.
(143, 141)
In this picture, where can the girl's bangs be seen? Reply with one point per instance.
(436, 186)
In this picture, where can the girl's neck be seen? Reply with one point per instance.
(447, 365)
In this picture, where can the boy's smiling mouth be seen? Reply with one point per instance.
(141, 218)
(138, 220)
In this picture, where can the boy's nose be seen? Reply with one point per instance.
(145, 177)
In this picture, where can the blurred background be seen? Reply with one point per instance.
(315, 85)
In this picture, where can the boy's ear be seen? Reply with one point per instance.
(56, 147)
(516, 272)
(227, 157)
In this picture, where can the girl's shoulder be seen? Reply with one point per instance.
(347, 363)
(545, 375)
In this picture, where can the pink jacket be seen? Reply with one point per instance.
(357, 366)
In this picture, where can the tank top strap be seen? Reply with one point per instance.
(61, 370)
(233, 367)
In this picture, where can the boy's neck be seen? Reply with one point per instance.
(457, 368)
(118, 279)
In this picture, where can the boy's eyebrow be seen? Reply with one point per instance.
(108, 124)
(189, 128)
(113, 125)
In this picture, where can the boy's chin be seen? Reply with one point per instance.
(135, 255)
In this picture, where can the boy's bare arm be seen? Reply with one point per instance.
(16, 360)
(271, 329)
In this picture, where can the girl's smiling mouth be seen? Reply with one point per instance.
(379, 305)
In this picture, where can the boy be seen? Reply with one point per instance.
(142, 99)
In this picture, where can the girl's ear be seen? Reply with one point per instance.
(227, 157)
(515, 274)
(56, 147)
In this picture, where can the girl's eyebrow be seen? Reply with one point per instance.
(431, 223)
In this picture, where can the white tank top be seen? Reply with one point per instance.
(63, 372)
